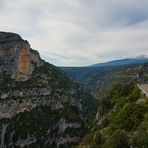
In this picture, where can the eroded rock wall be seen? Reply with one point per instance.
(17, 60)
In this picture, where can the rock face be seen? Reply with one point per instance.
(39, 105)
(16, 58)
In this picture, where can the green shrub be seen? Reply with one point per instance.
(99, 139)
(131, 115)
(87, 140)
(105, 106)
(117, 140)
(128, 117)
(140, 138)
(133, 97)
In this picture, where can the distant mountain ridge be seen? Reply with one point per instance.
(126, 61)
(79, 73)
(99, 78)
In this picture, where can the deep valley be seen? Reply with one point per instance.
(42, 105)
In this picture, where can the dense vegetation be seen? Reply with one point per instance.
(99, 80)
(122, 120)
(63, 110)
(40, 127)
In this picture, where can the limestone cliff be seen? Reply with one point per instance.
(16, 57)
(39, 105)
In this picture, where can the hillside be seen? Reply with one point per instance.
(98, 80)
(121, 121)
(78, 72)
(39, 105)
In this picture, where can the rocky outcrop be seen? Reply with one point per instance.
(17, 60)
(39, 105)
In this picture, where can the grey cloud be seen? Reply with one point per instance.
(79, 32)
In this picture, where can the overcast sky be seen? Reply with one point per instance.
(79, 32)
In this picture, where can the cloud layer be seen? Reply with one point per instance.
(79, 32)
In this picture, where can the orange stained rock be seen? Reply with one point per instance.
(24, 62)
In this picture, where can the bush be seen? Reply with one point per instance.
(128, 117)
(133, 97)
(117, 140)
(140, 138)
(131, 115)
(105, 106)
(87, 140)
(99, 139)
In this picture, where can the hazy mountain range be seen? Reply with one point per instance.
(126, 61)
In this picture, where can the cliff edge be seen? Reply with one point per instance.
(17, 59)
